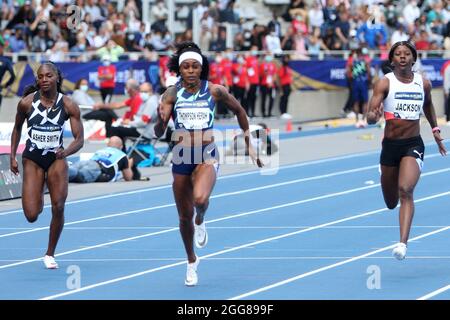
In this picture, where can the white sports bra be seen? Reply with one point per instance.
(405, 100)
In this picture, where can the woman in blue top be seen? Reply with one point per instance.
(191, 103)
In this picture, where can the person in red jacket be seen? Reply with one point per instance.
(268, 72)
(105, 111)
(252, 66)
(107, 77)
(227, 66)
(240, 81)
(284, 84)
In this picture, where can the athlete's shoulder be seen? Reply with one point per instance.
(426, 82)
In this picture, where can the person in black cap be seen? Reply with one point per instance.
(5, 66)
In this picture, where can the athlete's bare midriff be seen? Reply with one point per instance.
(401, 129)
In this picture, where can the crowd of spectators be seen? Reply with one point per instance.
(305, 28)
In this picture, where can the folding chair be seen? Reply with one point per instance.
(144, 151)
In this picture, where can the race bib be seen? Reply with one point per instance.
(193, 118)
(235, 80)
(44, 139)
(269, 80)
(251, 72)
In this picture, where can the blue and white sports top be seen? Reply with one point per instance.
(46, 126)
(194, 111)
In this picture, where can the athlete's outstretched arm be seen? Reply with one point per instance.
(21, 115)
(77, 129)
(220, 93)
(165, 110)
(430, 114)
(380, 91)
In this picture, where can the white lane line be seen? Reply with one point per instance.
(238, 227)
(302, 164)
(95, 285)
(227, 194)
(219, 178)
(208, 222)
(332, 266)
(434, 293)
(388, 257)
(216, 220)
(275, 185)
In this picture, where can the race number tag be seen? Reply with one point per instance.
(45, 139)
(251, 72)
(193, 118)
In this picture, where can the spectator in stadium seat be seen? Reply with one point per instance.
(80, 95)
(105, 111)
(16, 41)
(146, 114)
(111, 50)
(24, 17)
(219, 44)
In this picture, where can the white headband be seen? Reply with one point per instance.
(190, 55)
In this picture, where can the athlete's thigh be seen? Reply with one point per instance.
(409, 173)
(389, 184)
(58, 181)
(203, 179)
(32, 187)
(182, 191)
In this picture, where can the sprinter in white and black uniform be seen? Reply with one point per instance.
(46, 108)
(404, 95)
(191, 103)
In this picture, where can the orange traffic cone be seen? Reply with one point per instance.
(289, 126)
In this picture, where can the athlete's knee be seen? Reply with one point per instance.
(31, 216)
(405, 192)
(391, 205)
(200, 200)
(58, 206)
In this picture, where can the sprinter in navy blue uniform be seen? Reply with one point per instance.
(191, 103)
(46, 108)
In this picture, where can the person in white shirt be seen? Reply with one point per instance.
(80, 95)
(411, 12)
(399, 34)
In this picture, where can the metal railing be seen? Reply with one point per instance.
(135, 56)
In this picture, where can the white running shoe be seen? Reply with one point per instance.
(50, 262)
(200, 234)
(399, 251)
(191, 273)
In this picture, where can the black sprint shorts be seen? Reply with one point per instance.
(393, 150)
